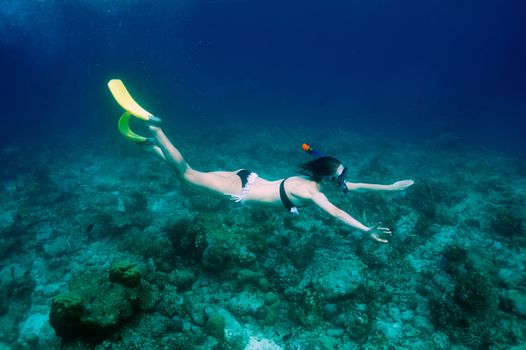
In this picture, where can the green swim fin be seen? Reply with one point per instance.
(124, 128)
(124, 99)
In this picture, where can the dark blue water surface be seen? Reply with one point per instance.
(413, 69)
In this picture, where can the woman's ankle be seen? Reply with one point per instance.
(154, 129)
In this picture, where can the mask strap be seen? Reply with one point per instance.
(341, 179)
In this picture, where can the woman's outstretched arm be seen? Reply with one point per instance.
(363, 187)
(323, 203)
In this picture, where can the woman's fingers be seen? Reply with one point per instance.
(378, 231)
(402, 185)
(378, 239)
(385, 230)
(406, 183)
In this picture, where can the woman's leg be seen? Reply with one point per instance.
(216, 182)
(170, 153)
(154, 149)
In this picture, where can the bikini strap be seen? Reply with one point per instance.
(287, 203)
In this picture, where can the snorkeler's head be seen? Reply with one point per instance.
(325, 168)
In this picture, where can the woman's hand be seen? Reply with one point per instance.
(402, 185)
(377, 232)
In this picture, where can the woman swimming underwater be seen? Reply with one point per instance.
(247, 187)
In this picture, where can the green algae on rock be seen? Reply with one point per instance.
(215, 326)
(66, 311)
(125, 273)
(93, 308)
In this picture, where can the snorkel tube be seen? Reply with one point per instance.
(311, 150)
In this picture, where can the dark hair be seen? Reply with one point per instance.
(320, 168)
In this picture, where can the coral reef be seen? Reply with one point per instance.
(467, 311)
(89, 261)
(93, 308)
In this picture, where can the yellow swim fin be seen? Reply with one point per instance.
(123, 98)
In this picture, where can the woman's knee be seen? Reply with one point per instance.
(189, 175)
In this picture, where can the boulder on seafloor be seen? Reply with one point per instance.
(337, 279)
(66, 311)
(215, 326)
(93, 308)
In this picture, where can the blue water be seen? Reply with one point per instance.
(432, 91)
(412, 69)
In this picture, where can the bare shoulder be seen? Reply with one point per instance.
(302, 187)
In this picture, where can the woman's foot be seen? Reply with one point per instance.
(152, 147)
(153, 120)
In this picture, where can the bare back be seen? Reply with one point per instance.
(223, 184)
(297, 188)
